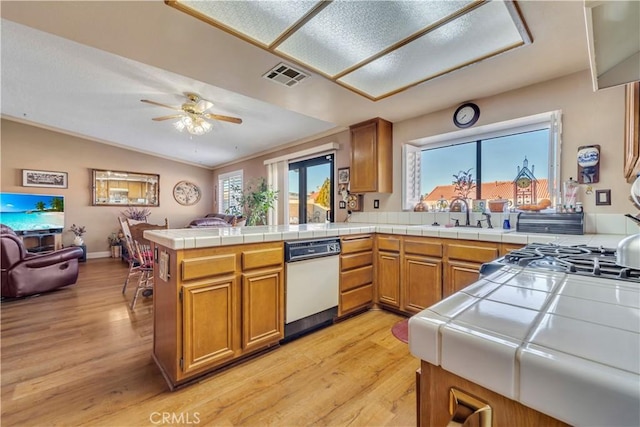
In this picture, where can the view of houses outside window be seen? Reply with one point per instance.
(513, 167)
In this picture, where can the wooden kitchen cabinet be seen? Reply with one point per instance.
(388, 270)
(215, 306)
(505, 248)
(462, 261)
(632, 131)
(356, 274)
(371, 157)
(433, 398)
(210, 336)
(421, 274)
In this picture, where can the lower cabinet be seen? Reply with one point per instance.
(356, 274)
(439, 393)
(262, 308)
(422, 284)
(209, 336)
(388, 279)
(462, 261)
(213, 306)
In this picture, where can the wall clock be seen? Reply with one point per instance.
(354, 202)
(187, 193)
(466, 115)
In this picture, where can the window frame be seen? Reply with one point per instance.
(231, 177)
(412, 171)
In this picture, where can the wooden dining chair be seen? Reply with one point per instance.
(134, 265)
(144, 257)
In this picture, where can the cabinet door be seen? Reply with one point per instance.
(388, 278)
(423, 283)
(632, 132)
(459, 275)
(262, 308)
(209, 311)
(364, 158)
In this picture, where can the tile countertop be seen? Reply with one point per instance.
(188, 238)
(565, 345)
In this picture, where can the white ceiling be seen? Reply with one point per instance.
(82, 68)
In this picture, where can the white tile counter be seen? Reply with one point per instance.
(565, 345)
(187, 238)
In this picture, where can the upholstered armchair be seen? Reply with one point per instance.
(24, 273)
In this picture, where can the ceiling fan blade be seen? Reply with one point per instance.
(203, 105)
(223, 118)
(173, 116)
(161, 105)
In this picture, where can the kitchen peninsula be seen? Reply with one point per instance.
(232, 268)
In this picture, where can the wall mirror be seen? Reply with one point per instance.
(119, 188)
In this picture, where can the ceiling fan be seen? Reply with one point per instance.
(193, 114)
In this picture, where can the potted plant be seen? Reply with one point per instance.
(254, 202)
(463, 184)
(137, 214)
(79, 232)
(115, 244)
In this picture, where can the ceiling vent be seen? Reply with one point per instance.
(285, 75)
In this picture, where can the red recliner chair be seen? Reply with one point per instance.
(24, 273)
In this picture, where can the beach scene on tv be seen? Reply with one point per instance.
(32, 212)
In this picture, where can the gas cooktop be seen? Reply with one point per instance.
(584, 260)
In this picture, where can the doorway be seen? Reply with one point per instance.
(311, 190)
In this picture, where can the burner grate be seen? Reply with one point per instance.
(580, 259)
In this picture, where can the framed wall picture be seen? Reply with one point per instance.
(35, 178)
(603, 197)
(343, 175)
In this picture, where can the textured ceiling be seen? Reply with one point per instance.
(83, 67)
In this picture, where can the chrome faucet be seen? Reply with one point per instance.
(466, 206)
(488, 215)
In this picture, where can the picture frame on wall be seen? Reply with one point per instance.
(38, 178)
(343, 175)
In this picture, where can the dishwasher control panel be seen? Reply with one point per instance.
(299, 250)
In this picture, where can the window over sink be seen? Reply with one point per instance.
(499, 157)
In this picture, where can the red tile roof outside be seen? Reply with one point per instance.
(489, 191)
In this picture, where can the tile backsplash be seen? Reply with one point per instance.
(594, 223)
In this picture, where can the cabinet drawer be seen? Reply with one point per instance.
(423, 247)
(391, 244)
(215, 265)
(359, 244)
(356, 298)
(348, 262)
(262, 258)
(354, 278)
(472, 253)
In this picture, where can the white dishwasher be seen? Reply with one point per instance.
(312, 285)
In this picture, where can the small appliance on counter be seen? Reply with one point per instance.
(550, 223)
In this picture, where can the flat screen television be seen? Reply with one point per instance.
(32, 213)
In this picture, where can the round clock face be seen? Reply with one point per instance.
(523, 182)
(186, 193)
(466, 115)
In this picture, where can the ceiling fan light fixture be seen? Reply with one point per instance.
(193, 125)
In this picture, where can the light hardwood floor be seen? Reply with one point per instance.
(79, 356)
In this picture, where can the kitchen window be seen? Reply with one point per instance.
(499, 156)
(229, 190)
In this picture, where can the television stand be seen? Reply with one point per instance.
(42, 242)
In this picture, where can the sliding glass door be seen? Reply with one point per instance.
(311, 190)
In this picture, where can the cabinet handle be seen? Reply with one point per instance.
(462, 406)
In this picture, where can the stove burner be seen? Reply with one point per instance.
(580, 259)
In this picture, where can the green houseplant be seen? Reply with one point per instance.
(254, 202)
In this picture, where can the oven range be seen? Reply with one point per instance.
(579, 259)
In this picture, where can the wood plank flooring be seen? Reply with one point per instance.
(79, 356)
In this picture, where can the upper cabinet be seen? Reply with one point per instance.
(632, 131)
(371, 157)
(613, 39)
